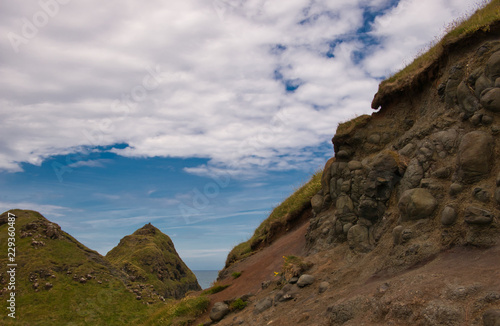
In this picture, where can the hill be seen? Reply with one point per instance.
(148, 256)
(59, 281)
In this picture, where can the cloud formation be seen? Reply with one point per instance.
(246, 84)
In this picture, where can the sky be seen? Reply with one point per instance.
(197, 116)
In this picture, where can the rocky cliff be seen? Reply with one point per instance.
(406, 227)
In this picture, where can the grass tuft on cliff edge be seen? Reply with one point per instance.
(487, 14)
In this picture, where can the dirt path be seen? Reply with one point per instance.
(259, 267)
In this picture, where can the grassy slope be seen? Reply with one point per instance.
(147, 253)
(68, 302)
(291, 206)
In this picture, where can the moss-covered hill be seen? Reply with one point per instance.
(148, 256)
(59, 281)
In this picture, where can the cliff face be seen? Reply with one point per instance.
(422, 169)
(406, 229)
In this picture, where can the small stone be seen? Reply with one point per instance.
(407, 150)
(448, 216)
(475, 156)
(293, 280)
(317, 203)
(219, 310)
(354, 165)
(347, 227)
(138, 297)
(48, 286)
(263, 305)
(487, 120)
(416, 204)
(323, 286)
(481, 194)
(476, 119)
(83, 280)
(264, 285)
(475, 215)
(305, 280)
(374, 139)
(491, 317)
(396, 234)
(491, 100)
(455, 189)
(343, 155)
(495, 129)
(383, 288)
(442, 173)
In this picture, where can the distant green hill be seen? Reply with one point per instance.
(59, 281)
(148, 256)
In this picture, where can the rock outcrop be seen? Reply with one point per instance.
(428, 155)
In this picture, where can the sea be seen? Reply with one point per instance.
(206, 278)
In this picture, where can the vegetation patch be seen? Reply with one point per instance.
(235, 275)
(215, 289)
(345, 128)
(180, 312)
(285, 212)
(238, 304)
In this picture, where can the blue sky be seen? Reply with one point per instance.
(196, 116)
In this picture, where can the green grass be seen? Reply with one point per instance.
(345, 128)
(68, 302)
(237, 304)
(179, 312)
(287, 210)
(215, 289)
(235, 275)
(484, 16)
(146, 253)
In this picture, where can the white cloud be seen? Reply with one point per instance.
(197, 78)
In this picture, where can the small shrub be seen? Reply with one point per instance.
(238, 304)
(235, 275)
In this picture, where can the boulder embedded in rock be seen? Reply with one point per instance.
(219, 310)
(466, 99)
(358, 238)
(263, 305)
(416, 204)
(491, 317)
(476, 215)
(474, 156)
(492, 69)
(317, 203)
(305, 280)
(491, 100)
(448, 216)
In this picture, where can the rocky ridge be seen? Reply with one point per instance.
(406, 226)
